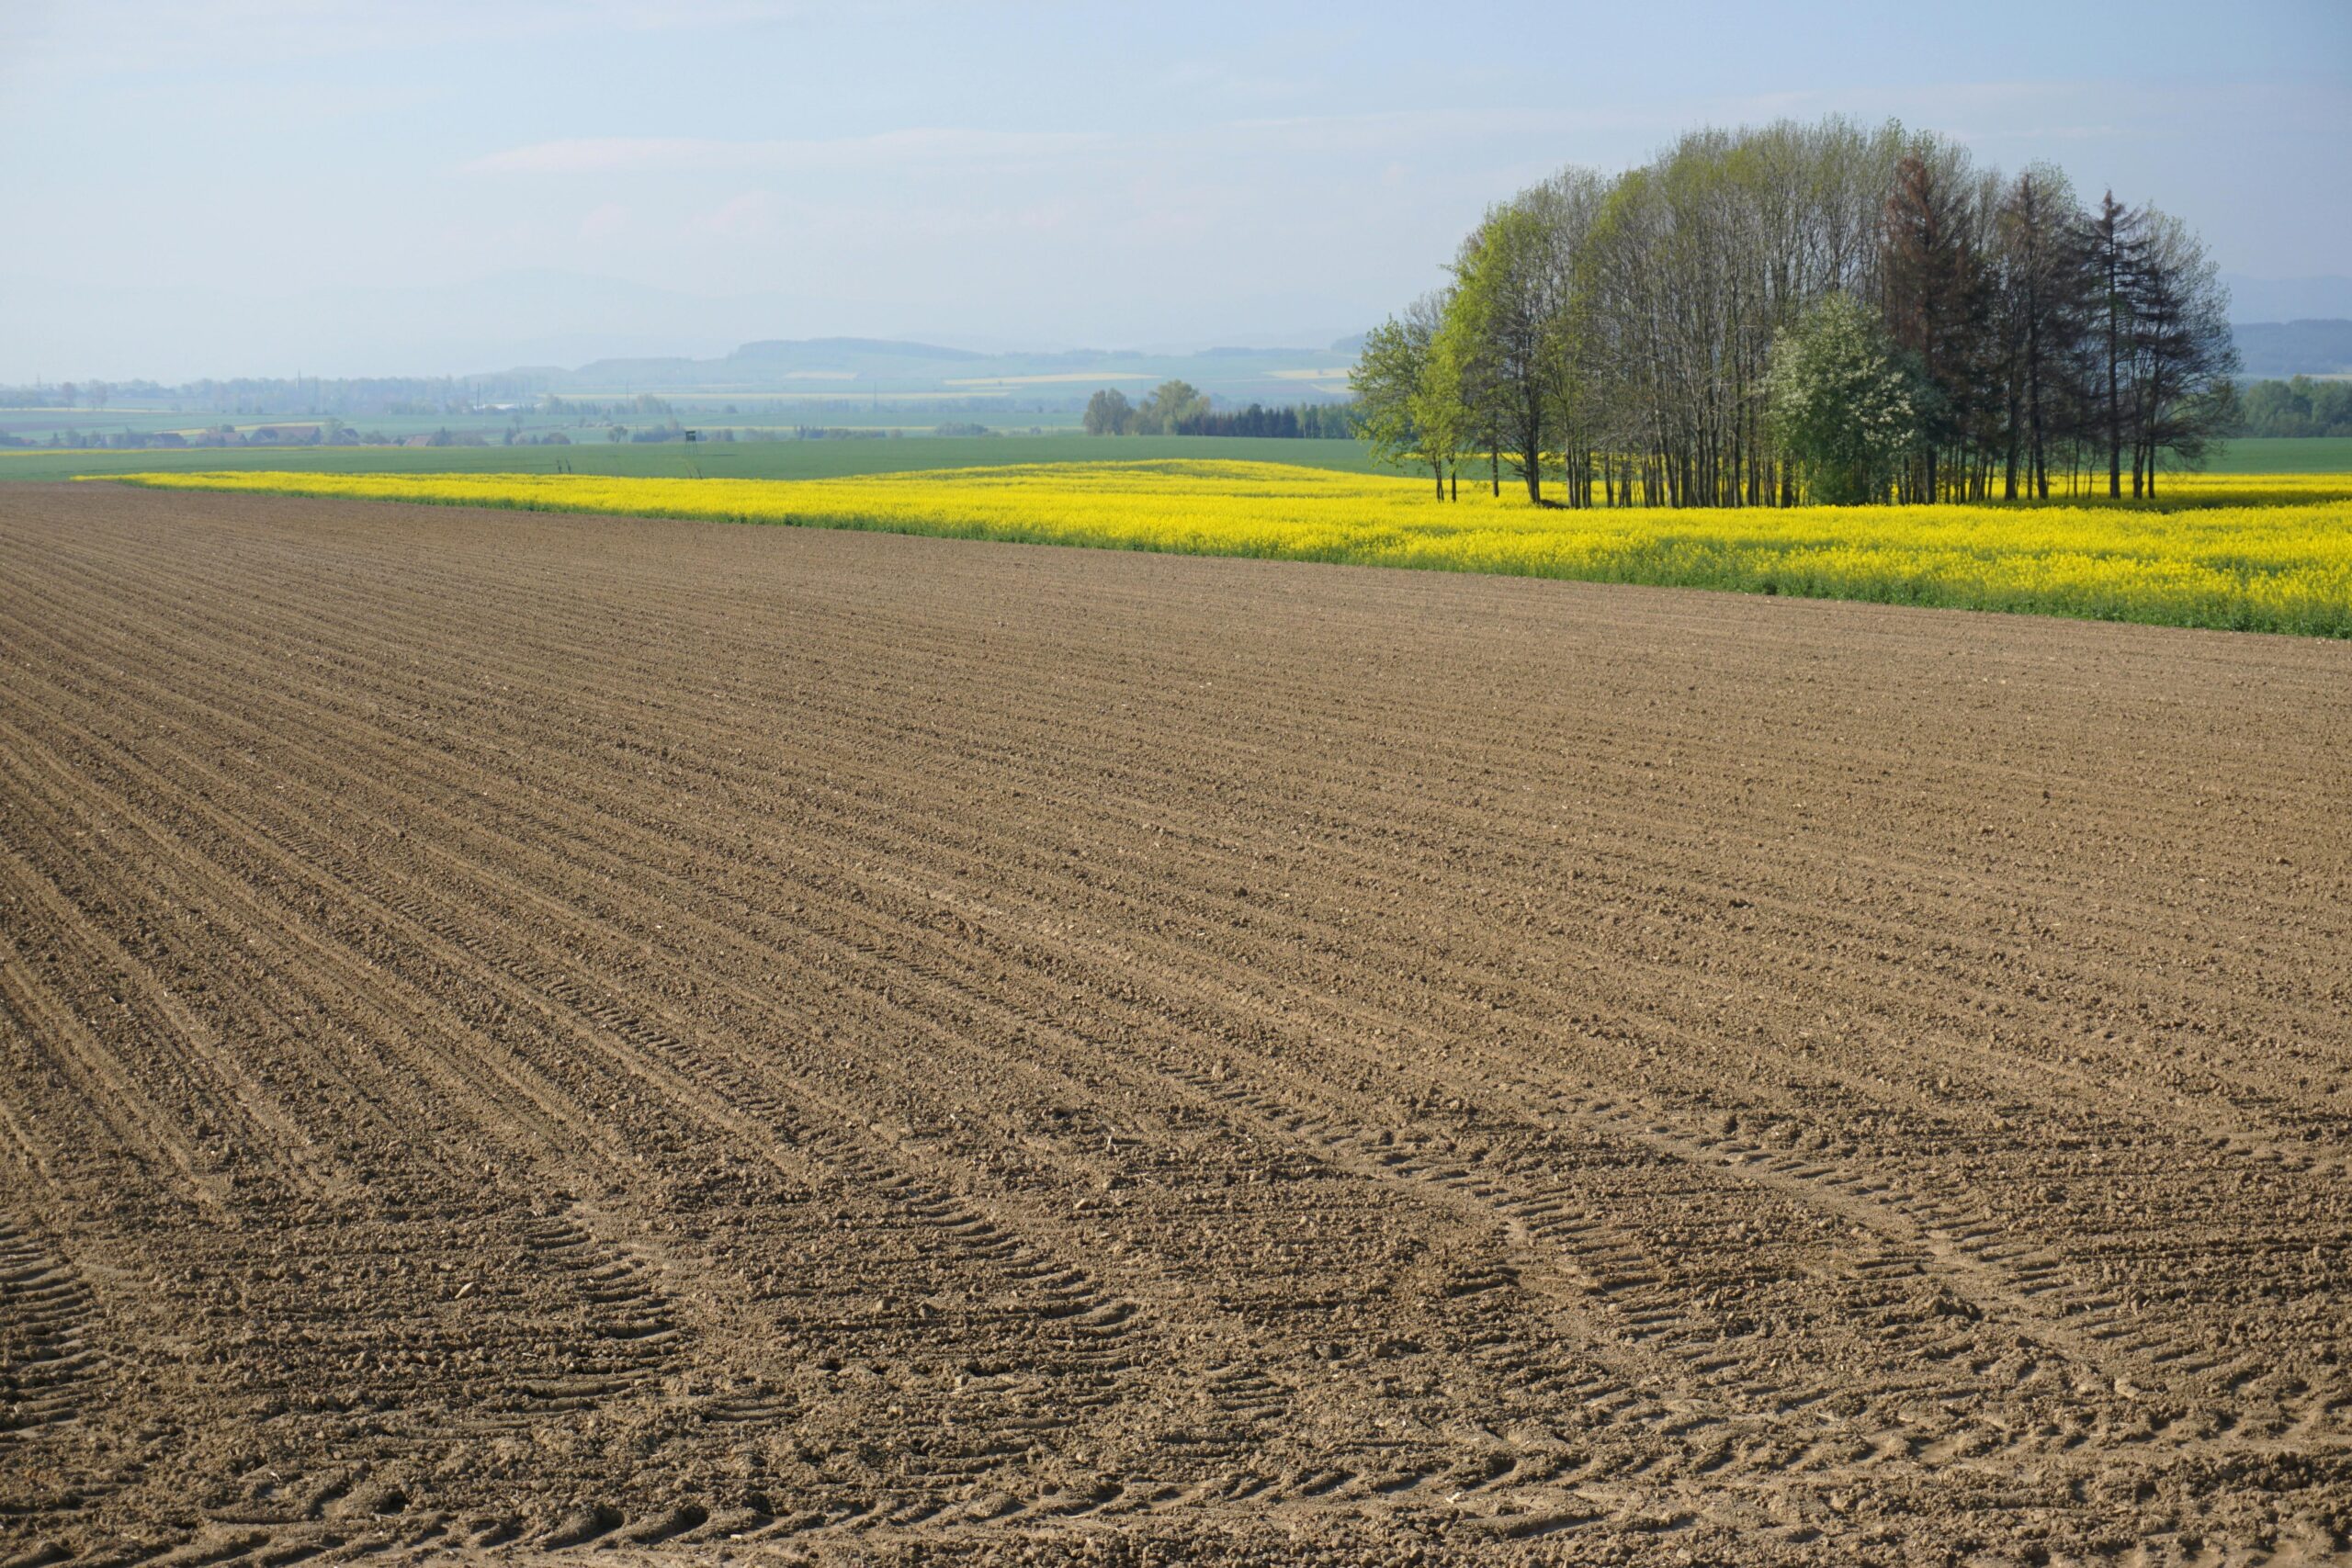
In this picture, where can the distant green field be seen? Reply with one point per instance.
(2315, 455)
(740, 460)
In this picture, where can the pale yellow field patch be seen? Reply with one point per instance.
(1043, 380)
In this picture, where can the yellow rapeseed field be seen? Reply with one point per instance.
(2270, 553)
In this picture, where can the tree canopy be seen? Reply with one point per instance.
(1620, 336)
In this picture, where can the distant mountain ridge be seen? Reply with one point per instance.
(57, 328)
(848, 366)
(2273, 350)
(798, 349)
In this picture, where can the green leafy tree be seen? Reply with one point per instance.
(1514, 330)
(1170, 407)
(1462, 362)
(1108, 413)
(1844, 402)
(1408, 404)
(1496, 336)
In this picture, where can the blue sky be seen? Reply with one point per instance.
(194, 188)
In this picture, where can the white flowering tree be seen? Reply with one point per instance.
(1844, 403)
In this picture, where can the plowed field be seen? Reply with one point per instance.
(651, 1039)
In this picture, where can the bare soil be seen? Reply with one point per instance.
(658, 1040)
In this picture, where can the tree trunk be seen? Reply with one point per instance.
(2114, 398)
(2033, 392)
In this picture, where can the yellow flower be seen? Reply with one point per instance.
(2259, 552)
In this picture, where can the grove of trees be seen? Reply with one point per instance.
(2297, 407)
(1809, 311)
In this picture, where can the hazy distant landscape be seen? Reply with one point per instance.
(847, 389)
(838, 389)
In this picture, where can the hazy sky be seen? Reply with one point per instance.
(218, 185)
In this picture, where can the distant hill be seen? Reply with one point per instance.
(827, 352)
(851, 368)
(2277, 349)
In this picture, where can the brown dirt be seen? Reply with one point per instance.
(526, 1034)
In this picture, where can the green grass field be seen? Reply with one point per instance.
(2316, 454)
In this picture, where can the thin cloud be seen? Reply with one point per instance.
(605, 221)
(1401, 132)
(676, 155)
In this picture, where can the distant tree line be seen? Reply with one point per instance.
(1809, 312)
(2294, 407)
(327, 432)
(1177, 408)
